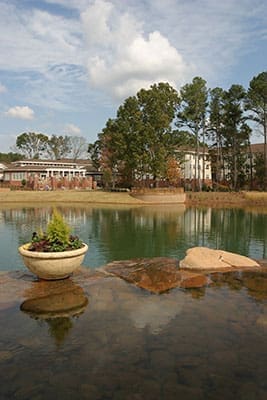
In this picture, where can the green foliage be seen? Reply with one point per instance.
(58, 146)
(139, 140)
(57, 238)
(59, 328)
(192, 115)
(36, 145)
(10, 157)
(256, 103)
(236, 133)
(58, 231)
(193, 106)
(256, 99)
(31, 144)
(184, 138)
(94, 153)
(259, 170)
(215, 130)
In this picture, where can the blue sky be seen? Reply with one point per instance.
(66, 65)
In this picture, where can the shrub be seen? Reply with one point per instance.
(57, 237)
(58, 231)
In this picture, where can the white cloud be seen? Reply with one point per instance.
(72, 130)
(125, 59)
(213, 35)
(3, 89)
(95, 20)
(22, 112)
(156, 312)
(140, 43)
(49, 39)
(65, 62)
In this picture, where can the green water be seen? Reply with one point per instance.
(122, 233)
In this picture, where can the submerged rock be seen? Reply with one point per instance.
(156, 275)
(203, 258)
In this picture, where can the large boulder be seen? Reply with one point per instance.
(203, 258)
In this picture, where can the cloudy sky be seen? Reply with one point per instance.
(66, 65)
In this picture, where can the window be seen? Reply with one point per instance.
(17, 176)
(7, 176)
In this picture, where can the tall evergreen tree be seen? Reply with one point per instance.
(216, 130)
(236, 133)
(256, 102)
(192, 115)
(158, 106)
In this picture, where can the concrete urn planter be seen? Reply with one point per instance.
(52, 265)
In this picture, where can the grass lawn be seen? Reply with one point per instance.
(102, 197)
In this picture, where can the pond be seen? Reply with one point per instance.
(122, 233)
(112, 340)
(126, 343)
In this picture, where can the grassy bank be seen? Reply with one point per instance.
(68, 196)
(100, 197)
(227, 198)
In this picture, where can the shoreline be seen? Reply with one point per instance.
(209, 199)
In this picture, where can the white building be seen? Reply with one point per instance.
(2, 168)
(193, 169)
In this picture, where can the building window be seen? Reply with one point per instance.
(18, 176)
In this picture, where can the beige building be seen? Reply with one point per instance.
(47, 173)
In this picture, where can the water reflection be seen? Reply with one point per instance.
(130, 344)
(254, 283)
(117, 233)
(153, 314)
(56, 304)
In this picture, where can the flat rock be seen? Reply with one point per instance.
(190, 280)
(203, 258)
(156, 275)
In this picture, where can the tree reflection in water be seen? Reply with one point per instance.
(56, 304)
(122, 232)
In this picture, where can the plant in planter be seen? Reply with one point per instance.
(56, 238)
(55, 254)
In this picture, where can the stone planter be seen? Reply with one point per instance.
(54, 265)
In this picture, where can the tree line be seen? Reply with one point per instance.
(149, 127)
(32, 145)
